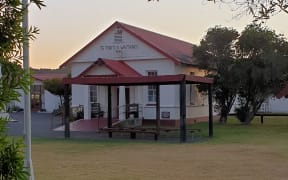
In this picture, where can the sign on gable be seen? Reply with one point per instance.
(119, 46)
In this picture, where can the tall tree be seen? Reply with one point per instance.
(216, 55)
(262, 68)
(259, 9)
(13, 78)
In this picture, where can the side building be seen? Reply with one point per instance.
(41, 99)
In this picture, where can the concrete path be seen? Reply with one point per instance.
(42, 125)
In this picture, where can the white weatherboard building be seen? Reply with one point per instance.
(127, 51)
(41, 99)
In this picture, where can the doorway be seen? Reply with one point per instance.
(127, 100)
(36, 97)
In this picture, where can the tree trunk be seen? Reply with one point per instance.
(223, 115)
(61, 102)
(249, 117)
(223, 119)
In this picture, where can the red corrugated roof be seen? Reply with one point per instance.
(43, 77)
(142, 80)
(174, 49)
(283, 92)
(120, 68)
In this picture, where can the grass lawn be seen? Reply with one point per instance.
(235, 152)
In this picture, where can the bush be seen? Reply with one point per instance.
(11, 156)
(12, 162)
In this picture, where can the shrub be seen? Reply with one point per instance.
(12, 161)
(11, 156)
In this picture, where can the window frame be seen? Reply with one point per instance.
(151, 89)
(93, 94)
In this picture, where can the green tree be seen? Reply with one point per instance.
(13, 78)
(56, 87)
(251, 66)
(216, 55)
(262, 68)
(259, 9)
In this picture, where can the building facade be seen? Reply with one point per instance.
(126, 51)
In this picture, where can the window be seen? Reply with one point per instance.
(152, 88)
(37, 101)
(93, 94)
(118, 36)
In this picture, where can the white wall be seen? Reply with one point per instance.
(80, 94)
(278, 105)
(140, 57)
(78, 68)
(52, 102)
(100, 70)
(271, 105)
(105, 47)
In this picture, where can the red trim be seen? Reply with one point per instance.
(89, 44)
(124, 63)
(107, 65)
(114, 66)
(83, 73)
(95, 76)
(142, 80)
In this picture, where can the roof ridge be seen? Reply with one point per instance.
(150, 31)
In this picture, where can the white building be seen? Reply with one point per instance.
(126, 51)
(277, 103)
(41, 99)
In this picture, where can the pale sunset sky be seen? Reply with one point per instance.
(68, 25)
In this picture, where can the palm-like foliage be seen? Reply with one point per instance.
(13, 78)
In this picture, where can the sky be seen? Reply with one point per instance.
(68, 25)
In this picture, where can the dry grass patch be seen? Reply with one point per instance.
(236, 152)
(89, 161)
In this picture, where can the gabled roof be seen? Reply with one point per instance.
(283, 92)
(174, 49)
(120, 68)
